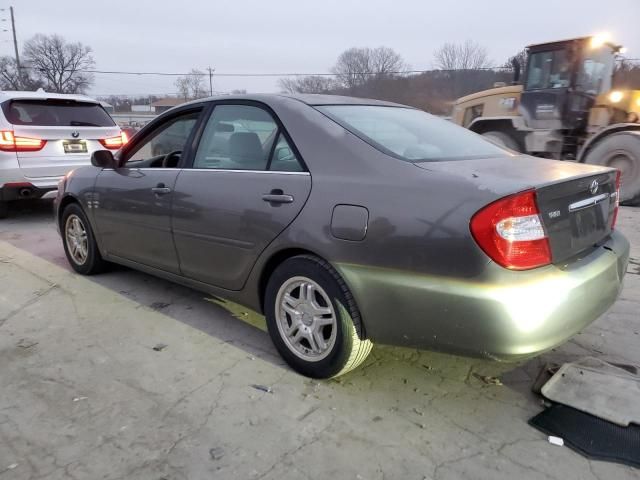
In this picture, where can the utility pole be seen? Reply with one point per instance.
(211, 70)
(15, 39)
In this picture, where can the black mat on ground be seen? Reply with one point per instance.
(591, 436)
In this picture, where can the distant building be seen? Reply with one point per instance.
(165, 104)
(141, 108)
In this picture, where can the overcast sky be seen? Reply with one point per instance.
(249, 36)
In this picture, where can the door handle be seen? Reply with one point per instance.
(161, 189)
(277, 196)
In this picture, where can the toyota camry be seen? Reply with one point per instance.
(349, 222)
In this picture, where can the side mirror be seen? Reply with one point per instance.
(103, 159)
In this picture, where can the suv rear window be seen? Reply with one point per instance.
(60, 113)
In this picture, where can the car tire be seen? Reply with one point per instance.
(502, 139)
(4, 209)
(79, 242)
(327, 339)
(622, 151)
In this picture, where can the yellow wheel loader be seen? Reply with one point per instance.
(565, 109)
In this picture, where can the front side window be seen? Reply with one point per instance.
(170, 137)
(410, 134)
(550, 69)
(56, 113)
(237, 137)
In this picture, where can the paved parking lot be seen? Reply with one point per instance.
(84, 395)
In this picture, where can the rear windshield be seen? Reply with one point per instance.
(410, 134)
(61, 113)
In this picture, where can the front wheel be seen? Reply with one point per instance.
(4, 209)
(79, 243)
(622, 151)
(312, 318)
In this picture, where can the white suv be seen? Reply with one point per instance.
(45, 135)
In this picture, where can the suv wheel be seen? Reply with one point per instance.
(312, 318)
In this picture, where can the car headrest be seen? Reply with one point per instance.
(245, 147)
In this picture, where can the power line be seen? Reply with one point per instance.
(210, 72)
(290, 74)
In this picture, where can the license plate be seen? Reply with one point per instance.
(74, 146)
(587, 221)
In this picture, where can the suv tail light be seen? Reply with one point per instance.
(114, 143)
(615, 210)
(10, 143)
(510, 231)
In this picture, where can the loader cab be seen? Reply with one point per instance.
(563, 80)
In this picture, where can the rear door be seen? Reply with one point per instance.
(246, 186)
(71, 129)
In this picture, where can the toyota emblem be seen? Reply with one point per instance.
(75, 134)
(593, 188)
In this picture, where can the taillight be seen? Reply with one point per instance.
(615, 209)
(10, 143)
(510, 232)
(114, 143)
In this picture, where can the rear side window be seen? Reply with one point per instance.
(411, 134)
(56, 113)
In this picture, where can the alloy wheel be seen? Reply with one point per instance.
(306, 319)
(77, 240)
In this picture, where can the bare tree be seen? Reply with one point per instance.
(356, 66)
(60, 65)
(385, 61)
(12, 79)
(308, 84)
(462, 68)
(191, 86)
(627, 74)
(461, 56)
(520, 57)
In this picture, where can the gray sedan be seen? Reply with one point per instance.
(349, 222)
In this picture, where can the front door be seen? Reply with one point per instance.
(132, 204)
(246, 186)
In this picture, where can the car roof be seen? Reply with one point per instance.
(42, 95)
(309, 99)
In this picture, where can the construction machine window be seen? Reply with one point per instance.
(595, 72)
(471, 113)
(551, 69)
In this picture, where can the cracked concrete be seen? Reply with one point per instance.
(92, 399)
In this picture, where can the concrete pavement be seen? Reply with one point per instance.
(84, 395)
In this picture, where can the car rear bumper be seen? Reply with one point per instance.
(14, 185)
(26, 190)
(505, 315)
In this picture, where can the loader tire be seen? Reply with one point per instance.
(622, 151)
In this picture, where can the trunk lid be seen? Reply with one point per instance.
(576, 201)
(577, 214)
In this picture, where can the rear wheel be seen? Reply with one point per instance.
(502, 139)
(79, 243)
(4, 209)
(622, 151)
(312, 318)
